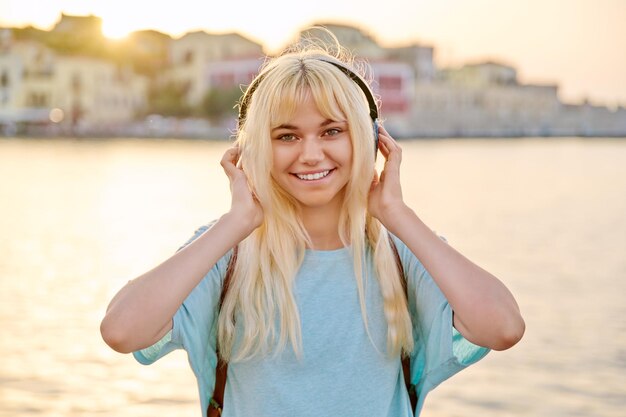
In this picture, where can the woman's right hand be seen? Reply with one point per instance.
(244, 205)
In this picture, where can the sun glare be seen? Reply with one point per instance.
(115, 30)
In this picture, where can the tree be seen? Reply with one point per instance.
(169, 100)
(219, 103)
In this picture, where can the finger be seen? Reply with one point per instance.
(231, 153)
(388, 139)
(386, 146)
(381, 147)
(391, 148)
(229, 160)
(384, 131)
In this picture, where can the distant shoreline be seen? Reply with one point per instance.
(230, 139)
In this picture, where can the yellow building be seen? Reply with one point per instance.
(193, 58)
(85, 92)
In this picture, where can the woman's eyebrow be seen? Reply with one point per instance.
(329, 121)
(285, 126)
(292, 127)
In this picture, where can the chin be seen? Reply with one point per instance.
(331, 200)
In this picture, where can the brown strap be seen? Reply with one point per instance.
(406, 361)
(221, 371)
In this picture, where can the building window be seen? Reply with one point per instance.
(35, 99)
(76, 82)
(224, 79)
(4, 98)
(390, 82)
(4, 79)
(188, 57)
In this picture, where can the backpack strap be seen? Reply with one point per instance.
(406, 361)
(221, 371)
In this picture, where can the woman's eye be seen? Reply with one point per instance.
(287, 138)
(332, 132)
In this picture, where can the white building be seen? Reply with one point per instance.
(419, 57)
(87, 92)
(483, 99)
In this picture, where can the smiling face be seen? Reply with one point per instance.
(312, 156)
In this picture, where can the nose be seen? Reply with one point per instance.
(312, 151)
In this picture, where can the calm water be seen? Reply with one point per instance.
(78, 219)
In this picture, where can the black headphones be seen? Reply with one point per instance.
(243, 107)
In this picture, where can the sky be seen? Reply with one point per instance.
(578, 44)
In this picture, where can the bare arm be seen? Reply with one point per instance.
(485, 311)
(141, 312)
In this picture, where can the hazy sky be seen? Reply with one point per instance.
(579, 44)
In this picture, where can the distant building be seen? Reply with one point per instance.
(150, 42)
(232, 73)
(40, 86)
(355, 40)
(79, 26)
(394, 82)
(419, 57)
(149, 51)
(97, 92)
(66, 88)
(200, 61)
(481, 74)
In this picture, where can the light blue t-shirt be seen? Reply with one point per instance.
(342, 372)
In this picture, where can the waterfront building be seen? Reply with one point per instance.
(480, 74)
(79, 26)
(483, 99)
(38, 85)
(419, 57)
(394, 82)
(148, 50)
(79, 85)
(355, 40)
(393, 77)
(200, 61)
(232, 73)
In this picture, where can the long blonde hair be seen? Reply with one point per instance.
(260, 297)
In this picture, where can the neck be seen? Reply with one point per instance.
(322, 224)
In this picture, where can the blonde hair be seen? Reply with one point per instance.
(260, 297)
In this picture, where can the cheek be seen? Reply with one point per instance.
(280, 159)
(345, 152)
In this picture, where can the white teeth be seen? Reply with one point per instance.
(311, 177)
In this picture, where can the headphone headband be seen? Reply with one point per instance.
(243, 108)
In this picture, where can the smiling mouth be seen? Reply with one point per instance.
(313, 177)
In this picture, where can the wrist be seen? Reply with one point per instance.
(394, 216)
(241, 226)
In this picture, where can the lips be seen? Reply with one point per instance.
(314, 176)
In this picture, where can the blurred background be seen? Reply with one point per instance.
(114, 115)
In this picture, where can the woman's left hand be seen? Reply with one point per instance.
(385, 195)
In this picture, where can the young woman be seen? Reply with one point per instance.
(335, 278)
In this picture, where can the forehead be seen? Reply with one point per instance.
(306, 102)
(307, 114)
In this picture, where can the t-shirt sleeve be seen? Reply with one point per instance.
(440, 351)
(194, 322)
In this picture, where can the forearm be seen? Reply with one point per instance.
(142, 311)
(485, 311)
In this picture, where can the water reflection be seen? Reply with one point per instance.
(78, 219)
